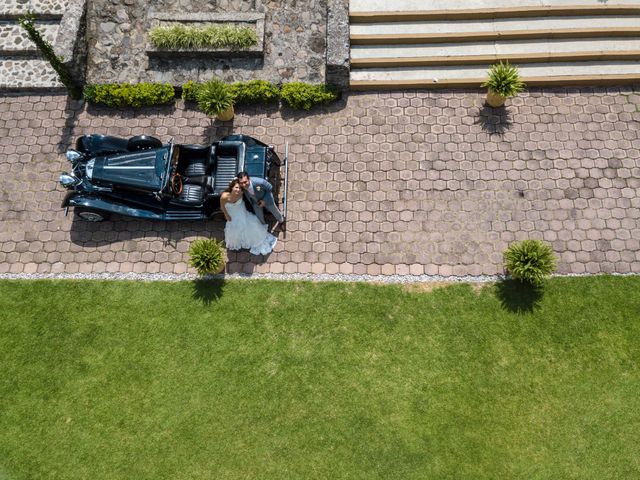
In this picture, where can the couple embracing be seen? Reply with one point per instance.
(243, 228)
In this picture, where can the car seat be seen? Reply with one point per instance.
(229, 160)
(196, 159)
(192, 194)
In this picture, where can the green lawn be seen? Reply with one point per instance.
(270, 380)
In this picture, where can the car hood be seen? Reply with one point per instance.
(141, 170)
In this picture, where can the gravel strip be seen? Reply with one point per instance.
(170, 277)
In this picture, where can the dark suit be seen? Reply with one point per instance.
(262, 190)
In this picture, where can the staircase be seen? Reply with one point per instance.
(442, 43)
(21, 66)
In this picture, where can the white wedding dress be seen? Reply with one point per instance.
(245, 231)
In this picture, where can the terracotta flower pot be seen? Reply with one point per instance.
(495, 99)
(222, 267)
(226, 115)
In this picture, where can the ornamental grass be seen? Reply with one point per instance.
(210, 36)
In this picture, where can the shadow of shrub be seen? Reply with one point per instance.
(207, 290)
(519, 297)
(494, 121)
(127, 112)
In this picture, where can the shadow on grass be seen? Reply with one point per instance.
(207, 290)
(519, 297)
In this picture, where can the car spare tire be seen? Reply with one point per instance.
(91, 215)
(143, 142)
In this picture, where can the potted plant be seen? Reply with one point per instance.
(216, 98)
(530, 261)
(503, 82)
(206, 255)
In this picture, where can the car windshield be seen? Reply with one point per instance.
(172, 154)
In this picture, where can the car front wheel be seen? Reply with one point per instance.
(89, 215)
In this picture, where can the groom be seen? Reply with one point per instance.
(259, 192)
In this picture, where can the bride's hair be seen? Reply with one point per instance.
(232, 184)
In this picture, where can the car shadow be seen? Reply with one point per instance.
(207, 290)
(143, 236)
(494, 120)
(125, 229)
(518, 297)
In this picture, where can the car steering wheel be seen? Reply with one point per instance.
(176, 184)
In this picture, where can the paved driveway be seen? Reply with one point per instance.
(381, 183)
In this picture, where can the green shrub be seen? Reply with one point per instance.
(530, 261)
(210, 36)
(189, 90)
(255, 91)
(504, 80)
(128, 95)
(206, 255)
(303, 96)
(214, 97)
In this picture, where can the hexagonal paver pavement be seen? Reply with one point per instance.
(380, 183)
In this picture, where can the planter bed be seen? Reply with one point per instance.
(253, 20)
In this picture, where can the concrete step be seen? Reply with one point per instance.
(42, 9)
(493, 13)
(534, 74)
(493, 29)
(451, 43)
(532, 51)
(478, 8)
(15, 41)
(18, 73)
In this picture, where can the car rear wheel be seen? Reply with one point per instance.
(143, 142)
(90, 215)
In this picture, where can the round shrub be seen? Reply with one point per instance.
(303, 96)
(189, 90)
(214, 97)
(206, 255)
(504, 79)
(129, 95)
(255, 92)
(530, 261)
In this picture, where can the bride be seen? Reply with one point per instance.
(243, 229)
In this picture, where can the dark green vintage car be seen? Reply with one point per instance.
(141, 177)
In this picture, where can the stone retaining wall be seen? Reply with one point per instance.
(22, 67)
(50, 9)
(294, 33)
(338, 43)
(71, 44)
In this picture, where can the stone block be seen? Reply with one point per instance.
(337, 53)
(71, 42)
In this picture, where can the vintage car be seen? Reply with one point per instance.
(141, 177)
